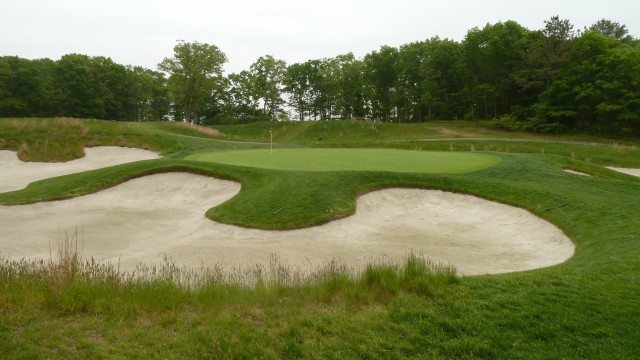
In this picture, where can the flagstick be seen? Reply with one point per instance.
(271, 133)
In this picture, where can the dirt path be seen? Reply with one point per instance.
(146, 218)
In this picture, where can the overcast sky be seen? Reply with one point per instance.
(143, 32)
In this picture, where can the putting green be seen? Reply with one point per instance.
(353, 160)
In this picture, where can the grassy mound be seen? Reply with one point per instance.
(64, 139)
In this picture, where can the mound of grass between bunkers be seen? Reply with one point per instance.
(353, 160)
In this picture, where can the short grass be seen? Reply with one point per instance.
(352, 160)
(586, 307)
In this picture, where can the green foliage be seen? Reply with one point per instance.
(267, 74)
(598, 89)
(611, 29)
(381, 74)
(195, 73)
(297, 84)
(80, 86)
(493, 54)
(326, 89)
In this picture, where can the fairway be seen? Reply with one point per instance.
(353, 160)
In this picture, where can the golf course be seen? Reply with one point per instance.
(328, 239)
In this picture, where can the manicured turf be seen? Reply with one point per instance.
(353, 160)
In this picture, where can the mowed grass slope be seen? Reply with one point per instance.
(584, 308)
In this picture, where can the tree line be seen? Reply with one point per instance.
(550, 79)
(81, 86)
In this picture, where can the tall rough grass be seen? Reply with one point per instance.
(21, 124)
(71, 283)
(41, 138)
(201, 129)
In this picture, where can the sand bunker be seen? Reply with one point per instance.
(17, 174)
(146, 218)
(574, 172)
(634, 172)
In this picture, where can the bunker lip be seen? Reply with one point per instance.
(16, 174)
(145, 219)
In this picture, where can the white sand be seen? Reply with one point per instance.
(575, 172)
(144, 218)
(16, 174)
(634, 172)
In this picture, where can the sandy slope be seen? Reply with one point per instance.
(144, 218)
(15, 174)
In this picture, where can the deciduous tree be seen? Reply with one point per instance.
(195, 72)
(267, 76)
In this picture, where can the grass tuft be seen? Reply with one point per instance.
(66, 267)
(23, 151)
